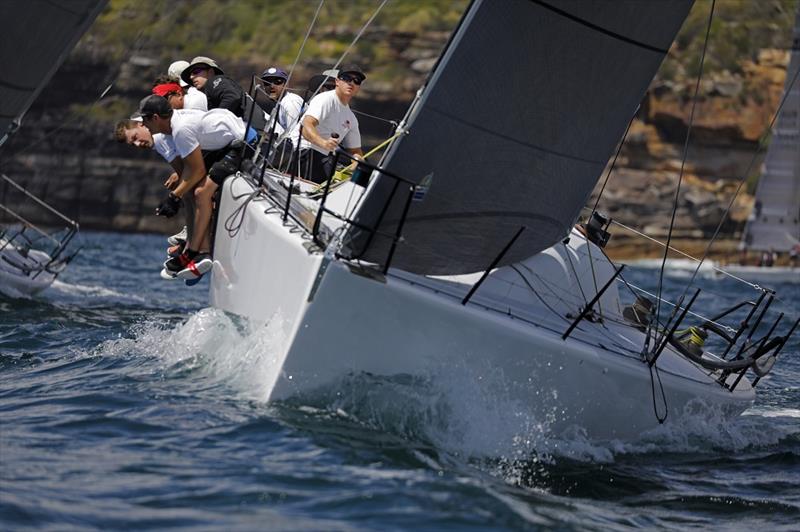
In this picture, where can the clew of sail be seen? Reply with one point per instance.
(775, 220)
(514, 128)
(37, 37)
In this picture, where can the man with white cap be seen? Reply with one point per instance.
(192, 98)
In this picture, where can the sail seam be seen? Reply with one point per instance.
(512, 139)
(600, 29)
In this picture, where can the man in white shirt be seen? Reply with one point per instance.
(290, 105)
(327, 124)
(202, 140)
(133, 133)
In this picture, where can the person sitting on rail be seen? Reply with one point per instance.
(212, 140)
(327, 123)
(134, 133)
(192, 98)
(290, 105)
(223, 92)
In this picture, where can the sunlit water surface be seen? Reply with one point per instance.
(126, 403)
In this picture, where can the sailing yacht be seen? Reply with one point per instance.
(459, 253)
(38, 36)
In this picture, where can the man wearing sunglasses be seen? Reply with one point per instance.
(223, 92)
(327, 124)
(289, 104)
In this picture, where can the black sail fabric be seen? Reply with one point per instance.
(37, 36)
(514, 128)
(775, 220)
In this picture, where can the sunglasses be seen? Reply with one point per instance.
(197, 70)
(274, 81)
(351, 79)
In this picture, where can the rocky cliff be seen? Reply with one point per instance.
(64, 152)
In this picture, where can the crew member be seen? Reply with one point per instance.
(327, 124)
(202, 140)
(223, 92)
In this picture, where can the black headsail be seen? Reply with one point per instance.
(514, 128)
(37, 36)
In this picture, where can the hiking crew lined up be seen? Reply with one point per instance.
(196, 118)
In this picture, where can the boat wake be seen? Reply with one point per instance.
(62, 290)
(453, 410)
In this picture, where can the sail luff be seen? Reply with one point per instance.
(515, 127)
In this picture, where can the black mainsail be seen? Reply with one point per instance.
(514, 128)
(37, 36)
(775, 221)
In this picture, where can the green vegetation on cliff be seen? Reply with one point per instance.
(258, 32)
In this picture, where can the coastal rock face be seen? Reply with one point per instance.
(732, 115)
(65, 153)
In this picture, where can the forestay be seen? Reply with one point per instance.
(514, 128)
(37, 36)
(775, 220)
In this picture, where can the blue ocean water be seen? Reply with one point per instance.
(126, 403)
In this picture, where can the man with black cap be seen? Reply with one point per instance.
(211, 139)
(223, 92)
(327, 124)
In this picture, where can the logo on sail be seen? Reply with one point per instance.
(422, 188)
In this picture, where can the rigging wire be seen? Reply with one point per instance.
(683, 160)
(762, 143)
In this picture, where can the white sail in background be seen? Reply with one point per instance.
(775, 220)
(514, 128)
(37, 36)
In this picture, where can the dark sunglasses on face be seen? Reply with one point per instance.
(275, 81)
(197, 70)
(350, 79)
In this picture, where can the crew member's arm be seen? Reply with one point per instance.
(172, 180)
(194, 170)
(312, 135)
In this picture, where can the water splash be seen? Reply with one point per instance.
(222, 349)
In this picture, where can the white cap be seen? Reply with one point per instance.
(175, 70)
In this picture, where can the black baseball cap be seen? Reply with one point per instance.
(353, 70)
(153, 105)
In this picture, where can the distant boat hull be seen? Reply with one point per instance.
(18, 276)
(340, 321)
(712, 270)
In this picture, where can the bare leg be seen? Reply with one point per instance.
(188, 205)
(203, 195)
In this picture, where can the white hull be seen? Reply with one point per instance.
(15, 280)
(338, 322)
(712, 270)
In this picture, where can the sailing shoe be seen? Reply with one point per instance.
(167, 275)
(178, 238)
(196, 268)
(176, 264)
